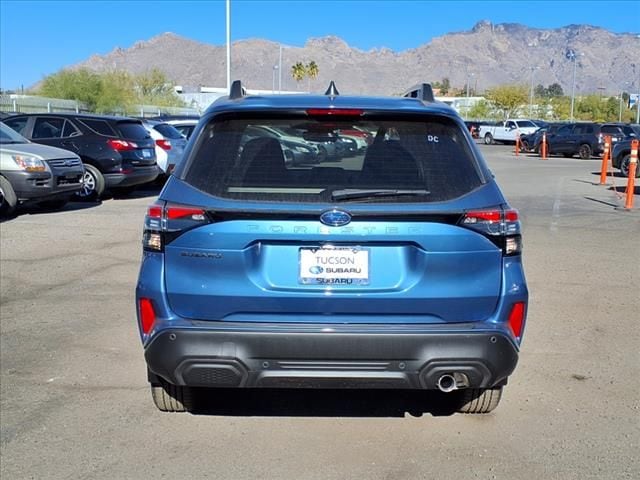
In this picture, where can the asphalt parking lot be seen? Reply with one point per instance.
(75, 402)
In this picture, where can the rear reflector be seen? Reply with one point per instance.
(147, 315)
(516, 319)
(346, 112)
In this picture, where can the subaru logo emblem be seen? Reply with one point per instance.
(316, 269)
(335, 218)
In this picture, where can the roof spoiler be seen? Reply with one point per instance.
(423, 91)
(237, 90)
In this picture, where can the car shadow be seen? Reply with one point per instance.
(610, 174)
(623, 188)
(144, 191)
(38, 210)
(323, 403)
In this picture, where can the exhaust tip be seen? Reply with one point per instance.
(447, 383)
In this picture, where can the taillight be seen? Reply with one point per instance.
(516, 319)
(165, 222)
(121, 145)
(164, 144)
(147, 315)
(502, 227)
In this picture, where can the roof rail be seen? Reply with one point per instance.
(332, 91)
(237, 90)
(423, 91)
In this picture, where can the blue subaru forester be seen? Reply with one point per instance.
(396, 265)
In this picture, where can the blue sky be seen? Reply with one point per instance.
(40, 37)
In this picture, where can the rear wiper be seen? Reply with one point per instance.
(353, 193)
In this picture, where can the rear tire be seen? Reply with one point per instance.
(172, 398)
(488, 139)
(584, 151)
(8, 198)
(479, 400)
(94, 184)
(624, 166)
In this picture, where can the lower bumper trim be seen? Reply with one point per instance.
(209, 358)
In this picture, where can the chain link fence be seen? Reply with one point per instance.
(34, 104)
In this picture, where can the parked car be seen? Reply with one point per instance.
(326, 144)
(118, 153)
(621, 154)
(584, 139)
(474, 128)
(184, 124)
(169, 144)
(402, 270)
(295, 153)
(35, 173)
(506, 132)
(531, 142)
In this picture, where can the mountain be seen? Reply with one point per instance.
(488, 55)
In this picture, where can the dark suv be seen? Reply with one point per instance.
(621, 150)
(583, 139)
(397, 268)
(118, 153)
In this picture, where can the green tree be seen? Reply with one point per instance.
(555, 90)
(540, 91)
(507, 98)
(481, 110)
(154, 88)
(298, 72)
(560, 108)
(116, 93)
(81, 85)
(110, 92)
(312, 71)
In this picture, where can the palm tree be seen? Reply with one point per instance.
(312, 72)
(298, 72)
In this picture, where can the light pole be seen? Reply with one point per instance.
(273, 78)
(572, 56)
(466, 109)
(280, 71)
(531, 94)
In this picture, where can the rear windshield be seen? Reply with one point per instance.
(167, 131)
(132, 130)
(318, 160)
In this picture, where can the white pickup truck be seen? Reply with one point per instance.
(506, 131)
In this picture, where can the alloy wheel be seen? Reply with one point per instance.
(88, 185)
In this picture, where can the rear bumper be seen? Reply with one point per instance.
(335, 358)
(137, 177)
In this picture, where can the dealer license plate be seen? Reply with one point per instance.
(334, 266)
(147, 153)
